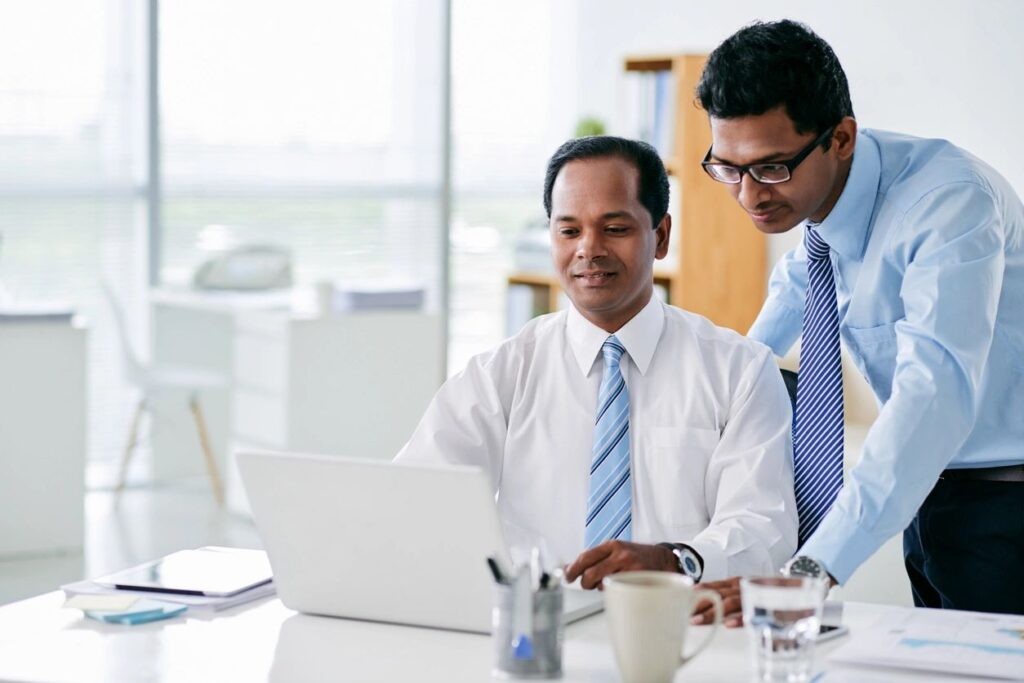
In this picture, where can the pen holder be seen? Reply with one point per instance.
(527, 631)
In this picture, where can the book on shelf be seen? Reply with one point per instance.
(650, 100)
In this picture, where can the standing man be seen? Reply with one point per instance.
(623, 433)
(913, 255)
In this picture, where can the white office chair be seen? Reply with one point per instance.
(154, 381)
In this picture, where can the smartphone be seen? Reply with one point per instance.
(827, 632)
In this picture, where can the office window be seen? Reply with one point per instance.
(312, 125)
(512, 105)
(71, 199)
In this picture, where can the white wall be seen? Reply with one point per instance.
(934, 68)
(938, 68)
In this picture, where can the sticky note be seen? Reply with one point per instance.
(143, 611)
(132, 618)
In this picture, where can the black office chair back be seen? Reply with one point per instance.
(789, 377)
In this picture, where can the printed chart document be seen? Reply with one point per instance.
(947, 641)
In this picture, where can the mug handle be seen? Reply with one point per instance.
(716, 601)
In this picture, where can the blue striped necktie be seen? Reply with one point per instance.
(818, 424)
(609, 507)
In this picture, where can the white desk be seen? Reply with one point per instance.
(39, 641)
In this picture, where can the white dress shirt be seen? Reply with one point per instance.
(710, 444)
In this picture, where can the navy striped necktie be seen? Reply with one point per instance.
(818, 423)
(610, 503)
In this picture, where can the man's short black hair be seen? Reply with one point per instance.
(653, 190)
(765, 65)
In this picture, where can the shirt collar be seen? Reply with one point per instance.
(639, 336)
(845, 229)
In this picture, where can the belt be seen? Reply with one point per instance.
(1007, 473)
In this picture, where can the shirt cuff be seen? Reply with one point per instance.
(841, 545)
(714, 560)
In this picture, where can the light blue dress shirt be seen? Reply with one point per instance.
(927, 248)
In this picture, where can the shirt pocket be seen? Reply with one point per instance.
(874, 353)
(675, 463)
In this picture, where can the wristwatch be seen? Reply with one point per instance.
(802, 565)
(688, 561)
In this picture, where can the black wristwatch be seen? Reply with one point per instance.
(688, 561)
(802, 565)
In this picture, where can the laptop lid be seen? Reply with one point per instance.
(382, 541)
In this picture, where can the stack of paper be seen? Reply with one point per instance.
(209, 578)
(362, 297)
(197, 603)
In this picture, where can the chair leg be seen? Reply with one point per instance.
(129, 449)
(204, 442)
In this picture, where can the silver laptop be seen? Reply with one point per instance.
(366, 539)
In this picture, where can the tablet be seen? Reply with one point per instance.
(211, 571)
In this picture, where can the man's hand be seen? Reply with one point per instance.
(612, 557)
(732, 608)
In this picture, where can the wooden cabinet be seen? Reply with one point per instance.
(719, 265)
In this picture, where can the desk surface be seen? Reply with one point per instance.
(262, 641)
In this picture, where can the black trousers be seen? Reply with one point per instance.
(965, 548)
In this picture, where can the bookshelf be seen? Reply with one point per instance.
(719, 265)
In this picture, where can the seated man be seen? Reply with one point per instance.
(623, 423)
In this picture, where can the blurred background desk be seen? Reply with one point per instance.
(343, 383)
(42, 435)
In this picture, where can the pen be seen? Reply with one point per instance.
(499, 576)
(556, 577)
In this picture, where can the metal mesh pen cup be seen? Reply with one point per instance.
(527, 641)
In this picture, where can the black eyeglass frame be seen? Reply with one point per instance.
(790, 164)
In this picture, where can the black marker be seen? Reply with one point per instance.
(499, 576)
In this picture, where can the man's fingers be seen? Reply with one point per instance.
(732, 609)
(612, 564)
(587, 559)
(728, 600)
(732, 605)
(593, 576)
(617, 557)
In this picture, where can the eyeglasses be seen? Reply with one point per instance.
(769, 173)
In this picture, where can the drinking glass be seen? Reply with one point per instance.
(782, 617)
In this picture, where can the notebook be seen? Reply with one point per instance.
(211, 571)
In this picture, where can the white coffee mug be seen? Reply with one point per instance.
(648, 613)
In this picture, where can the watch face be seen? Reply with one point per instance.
(805, 566)
(688, 563)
